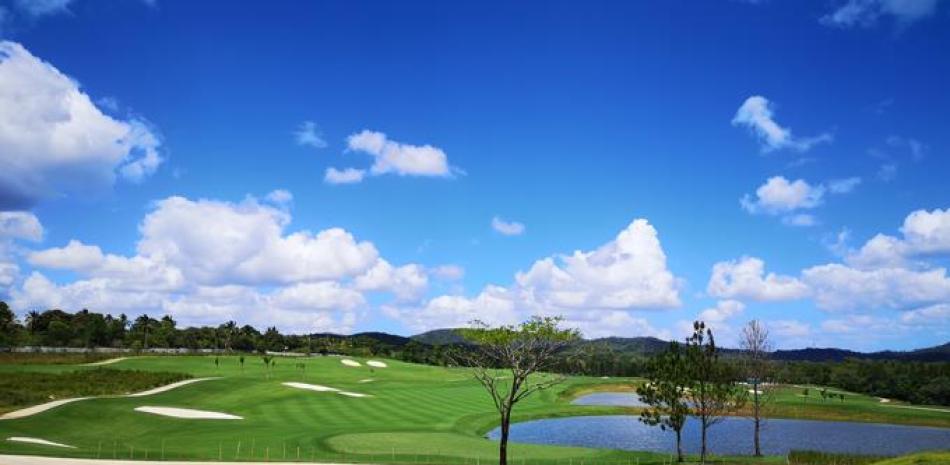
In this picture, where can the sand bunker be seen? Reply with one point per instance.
(187, 413)
(377, 364)
(367, 380)
(753, 391)
(311, 387)
(350, 363)
(168, 387)
(56, 403)
(105, 362)
(41, 442)
(352, 394)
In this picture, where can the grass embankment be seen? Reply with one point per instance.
(25, 388)
(821, 458)
(414, 414)
(924, 458)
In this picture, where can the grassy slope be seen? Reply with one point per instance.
(415, 409)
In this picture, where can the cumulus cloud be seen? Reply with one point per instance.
(307, 134)
(54, 140)
(205, 260)
(866, 13)
(780, 196)
(507, 228)
(756, 114)
(280, 197)
(746, 279)
(42, 7)
(627, 273)
(20, 225)
(839, 287)
(344, 176)
(938, 314)
(390, 156)
(448, 272)
(924, 233)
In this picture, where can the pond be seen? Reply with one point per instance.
(623, 399)
(733, 436)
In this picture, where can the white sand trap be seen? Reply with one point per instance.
(38, 408)
(56, 403)
(187, 413)
(168, 387)
(352, 394)
(367, 380)
(377, 364)
(311, 387)
(350, 363)
(753, 391)
(105, 362)
(41, 442)
(883, 400)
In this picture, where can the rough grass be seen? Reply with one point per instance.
(23, 389)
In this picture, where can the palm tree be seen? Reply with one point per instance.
(32, 321)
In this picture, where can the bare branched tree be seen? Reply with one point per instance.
(510, 363)
(756, 346)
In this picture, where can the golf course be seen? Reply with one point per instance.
(339, 409)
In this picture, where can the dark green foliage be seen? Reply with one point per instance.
(665, 393)
(21, 389)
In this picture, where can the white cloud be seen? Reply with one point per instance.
(866, 13)
(626, 274)
(308, 135)
(20, 225)
(779, 195)
(280, 197)
(843, 186)
(756, 114)
(746, 279)
(344, 176)
(54, 140)
(924, 233)
(448, 272)
(399, 158)
(839, 287)
(508, 228)
(407, 283)
(204, 261)
(724, 310)
(938, 314)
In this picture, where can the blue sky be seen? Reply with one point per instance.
(559, 123)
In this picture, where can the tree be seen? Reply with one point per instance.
(712, 393)
(756, 347)
(508, 361)
(8, 326)
(665, 393)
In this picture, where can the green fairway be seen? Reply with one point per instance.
(411, 414)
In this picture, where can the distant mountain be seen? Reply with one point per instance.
(439, 337)
(650, 345)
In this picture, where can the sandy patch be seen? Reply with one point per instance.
(350, 363)
(168, 387)
(352, 394)
(753, 391)
(311, 387)
(38, 408)
(912, 407)
(367, 380)
(187, 413)
(883, 400)
(377, 364)
(105, 362)
(56, 403)
(41, 442)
